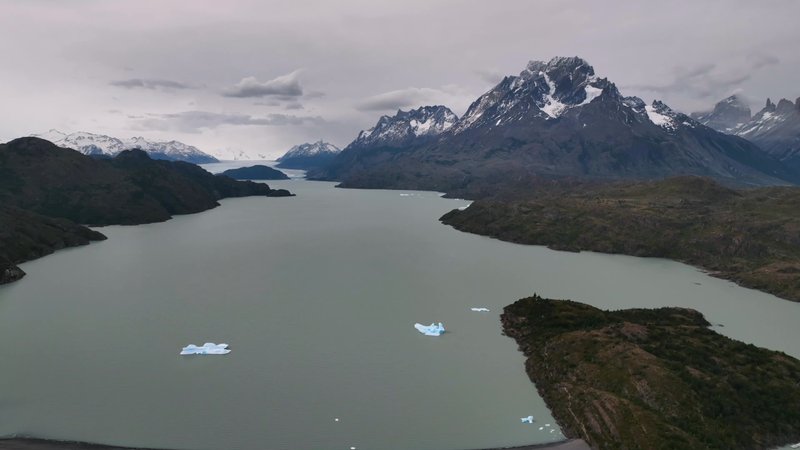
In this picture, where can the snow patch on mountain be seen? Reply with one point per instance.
(310, 149)
(546, 90)
(406, 127)
(99, 144)
(552, 107)
(663, 116)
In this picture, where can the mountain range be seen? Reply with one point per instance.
(775, 128)
(556, 119)
(101, 145)
(309, 156)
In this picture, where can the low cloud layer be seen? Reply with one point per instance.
(149, 83)
(284, 86)
(710, 80)
(403, 98)
(197, 121)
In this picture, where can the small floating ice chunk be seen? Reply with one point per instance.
(541, 428)
(209, 348)
(528, 419)
(433, 329)
(479, 309)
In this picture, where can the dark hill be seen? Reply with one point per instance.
(46, 191)
(126, 190)
(654, 378)
(257, 172)
(749, 236)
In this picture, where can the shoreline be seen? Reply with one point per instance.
(25, 443)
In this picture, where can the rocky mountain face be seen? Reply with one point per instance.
(309, 155)
(102, 145)
(406, 128)
(556, 119)
(776, 129)
(46, 191)
(727, 115)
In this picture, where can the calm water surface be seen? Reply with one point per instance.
(317, 296)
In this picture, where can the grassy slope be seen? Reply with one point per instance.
(749, 236)
(627, 380)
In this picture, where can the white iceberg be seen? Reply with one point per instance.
(480, 309)
(209, 348)
(433, 329)
(528, 419)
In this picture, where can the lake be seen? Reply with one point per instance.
(317, 296)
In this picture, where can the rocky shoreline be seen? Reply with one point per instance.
(46, 444)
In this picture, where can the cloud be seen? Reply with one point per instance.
(196, 121)
(490, 76)
(392, 100)
(709, 79)
(149, 83)
(293, 106)
(761, 60)
(285, 86)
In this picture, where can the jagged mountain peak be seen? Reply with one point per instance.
(406, 127)
(543, 90)
(310, 149)
(728, 114)
(784, 106)
(308, 155)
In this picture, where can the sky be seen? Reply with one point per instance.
(258, 77)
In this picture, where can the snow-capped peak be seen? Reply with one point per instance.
(310, 149)
(407, 126)
(546, 89)
(99, 144)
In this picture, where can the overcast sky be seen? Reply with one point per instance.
(261, 76)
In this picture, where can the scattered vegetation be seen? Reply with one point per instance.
(654, 379)
(748, 236)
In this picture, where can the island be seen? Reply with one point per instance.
(750, 236)
(257, 172)
(654, 378)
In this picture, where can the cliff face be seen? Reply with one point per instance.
(654, 379)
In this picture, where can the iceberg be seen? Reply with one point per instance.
(433, 329)
(528, 419)
(480, 309)
(209, 348)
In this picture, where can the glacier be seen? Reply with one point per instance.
(433, 329)
(209, 348)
